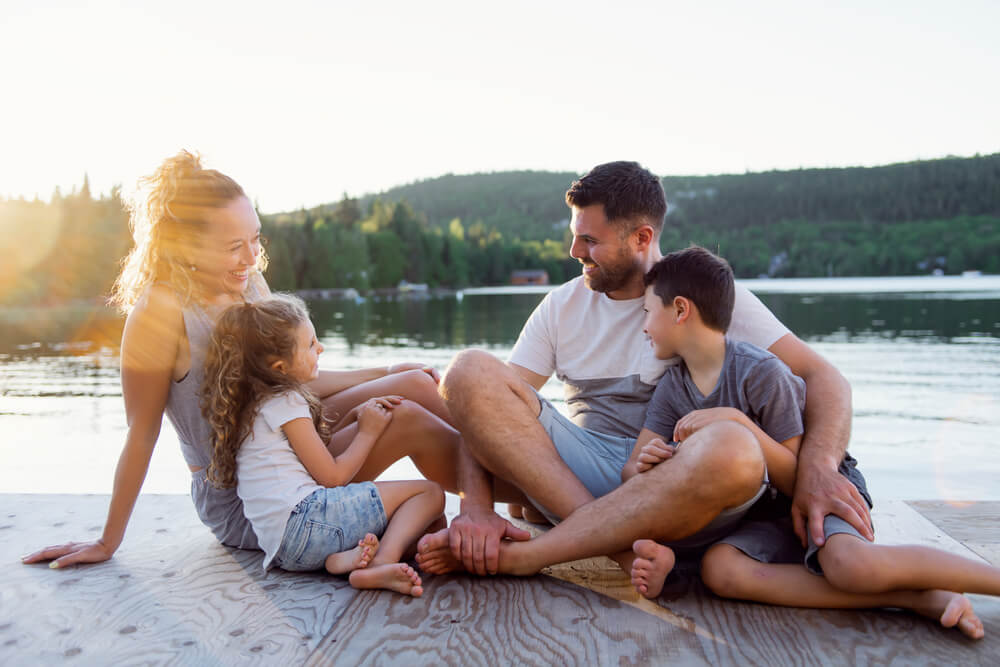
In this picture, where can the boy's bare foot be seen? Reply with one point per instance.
(434, 554)
(651, 566)
(398, 577)
(353, 559)
(953, 610)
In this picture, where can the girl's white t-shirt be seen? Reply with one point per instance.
(270, 478)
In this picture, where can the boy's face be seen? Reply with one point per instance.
(660, 325)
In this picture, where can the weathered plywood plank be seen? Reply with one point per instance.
(172, 595)
(974, 524)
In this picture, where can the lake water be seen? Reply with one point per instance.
(922, 355)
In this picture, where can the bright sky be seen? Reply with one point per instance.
(303, 101)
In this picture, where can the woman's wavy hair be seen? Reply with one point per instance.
(167, 219)
(247, 340)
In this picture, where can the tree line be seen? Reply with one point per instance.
(458, 231)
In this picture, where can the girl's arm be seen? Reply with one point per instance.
(333, 382)
(329, 470)
(149, 347)
(780, 457)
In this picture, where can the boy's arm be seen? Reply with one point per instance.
(631, 468)
(819, 488)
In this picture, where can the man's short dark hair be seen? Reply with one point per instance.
(696, 274)
(631, 195)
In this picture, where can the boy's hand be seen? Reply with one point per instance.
(652, 453)
(375, 414)
(698, 419)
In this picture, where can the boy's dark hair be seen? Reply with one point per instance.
(701, 276)
(631, 195)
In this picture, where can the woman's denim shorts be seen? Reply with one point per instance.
(327, 522)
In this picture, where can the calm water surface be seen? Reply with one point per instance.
(923, 365)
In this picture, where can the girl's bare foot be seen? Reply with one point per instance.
(434, 554)
(651, 566)
(357, 558)
(398, 577)
(953, 610)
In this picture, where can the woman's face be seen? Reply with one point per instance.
(230, 248)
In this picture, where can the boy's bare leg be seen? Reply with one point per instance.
(720, 466)
(856, 565)
(730, 573)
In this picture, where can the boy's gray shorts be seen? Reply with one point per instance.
(775, 541)
(597, 460)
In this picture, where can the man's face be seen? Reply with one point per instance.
(659, 325)
(610, 263)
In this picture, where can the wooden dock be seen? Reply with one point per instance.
(172, 595)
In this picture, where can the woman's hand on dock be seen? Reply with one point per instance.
(71, 553)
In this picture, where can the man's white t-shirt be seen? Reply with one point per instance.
(596, 346)
(270, 478)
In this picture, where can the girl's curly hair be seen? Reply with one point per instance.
(167, 219)
(247, 340)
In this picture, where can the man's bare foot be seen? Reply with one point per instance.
(398, 577)
(651, 566)
(953, 610)
(434, 554)
(353, 559)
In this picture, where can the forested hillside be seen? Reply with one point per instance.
(899, 219)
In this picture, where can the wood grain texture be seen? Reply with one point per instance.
(172, 595)
(974, 524)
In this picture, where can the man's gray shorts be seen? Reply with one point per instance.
(597, 460)
(775, 541)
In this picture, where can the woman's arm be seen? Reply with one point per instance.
(150, 341)
(332, 382)
(327, 469)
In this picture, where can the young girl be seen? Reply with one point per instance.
(269, 439)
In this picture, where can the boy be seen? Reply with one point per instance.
(688, 303)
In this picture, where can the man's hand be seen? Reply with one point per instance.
(820, 491)
(652, 453)
(696, 420)
(475, 536)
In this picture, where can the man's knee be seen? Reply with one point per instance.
(466, 372)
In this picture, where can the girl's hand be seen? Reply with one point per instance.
(375, 414)
(696, 420)
(70, 553)
(409, 366)
(652, 453)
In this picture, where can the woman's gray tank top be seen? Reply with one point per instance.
(219, 509)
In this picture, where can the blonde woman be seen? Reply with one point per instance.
(198, 250)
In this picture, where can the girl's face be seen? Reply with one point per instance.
(304, 365)
(230, 249)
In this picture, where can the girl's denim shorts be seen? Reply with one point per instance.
(327, 522)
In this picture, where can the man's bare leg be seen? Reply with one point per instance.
(720, 466)
(497, 413)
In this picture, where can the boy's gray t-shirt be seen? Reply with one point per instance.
(752, 380)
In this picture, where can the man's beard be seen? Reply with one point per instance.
(613, 277)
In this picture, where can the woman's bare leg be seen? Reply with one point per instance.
(430, 443)
(417, 386)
